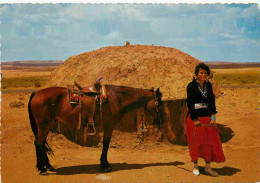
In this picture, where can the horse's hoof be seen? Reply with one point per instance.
(105, 169)
(109, 169)
(51, 168)
(44, 172)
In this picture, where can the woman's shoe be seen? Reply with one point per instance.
(211, 172)
(196, 171)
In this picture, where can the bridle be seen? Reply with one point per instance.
(158, 104)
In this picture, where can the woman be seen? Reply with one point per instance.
(202, 133)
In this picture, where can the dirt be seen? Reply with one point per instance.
(133, 160)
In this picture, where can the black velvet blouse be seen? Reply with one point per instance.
(195, 95)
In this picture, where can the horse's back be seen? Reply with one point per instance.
(52, 92)
(54, 89)
(48, 96)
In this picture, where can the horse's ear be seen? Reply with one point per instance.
(158, 93)
(100, 80)
(98, 84)
(152, 89)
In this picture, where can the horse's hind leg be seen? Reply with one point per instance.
(42, 159)
(43, 163)
(39, 156)
(46, 159)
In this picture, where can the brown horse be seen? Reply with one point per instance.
(50, 104)
(121, 100)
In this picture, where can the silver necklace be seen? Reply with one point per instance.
(203, 93)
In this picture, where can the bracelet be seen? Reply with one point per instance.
(213, 118)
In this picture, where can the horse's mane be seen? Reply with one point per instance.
(128, 87)
(118, 97)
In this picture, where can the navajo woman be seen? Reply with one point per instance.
(202, 133)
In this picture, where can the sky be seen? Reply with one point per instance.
(208, 32)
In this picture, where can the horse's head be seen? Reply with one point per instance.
(155, 106)
(98, 84)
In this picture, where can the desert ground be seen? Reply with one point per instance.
(132, 159)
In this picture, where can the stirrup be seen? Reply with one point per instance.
(91, 126)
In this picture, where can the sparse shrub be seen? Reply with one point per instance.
(16, 104)
(243, 81)
(37, 84)
(21, 98)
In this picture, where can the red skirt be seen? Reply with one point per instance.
(204, 141)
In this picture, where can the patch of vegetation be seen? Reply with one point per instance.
(24, 82)
(16, 104)
(21, 98)
(242, 77)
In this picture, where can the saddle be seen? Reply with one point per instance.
(77, 89)
(75, 93)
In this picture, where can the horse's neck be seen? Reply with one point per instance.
(123, 98)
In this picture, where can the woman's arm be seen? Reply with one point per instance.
(191, 102)
(212, 105)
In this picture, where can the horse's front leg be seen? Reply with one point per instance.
(104, 164)
(108, 127)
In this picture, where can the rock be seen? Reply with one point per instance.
(103, 177)
(16, 104)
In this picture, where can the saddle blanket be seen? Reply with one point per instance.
(73, 97)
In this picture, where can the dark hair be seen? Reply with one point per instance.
(202, 66)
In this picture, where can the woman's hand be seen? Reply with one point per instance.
(212, 121)
(197, 123)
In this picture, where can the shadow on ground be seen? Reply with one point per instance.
(225, 133)
(94, 168)
(224, 171)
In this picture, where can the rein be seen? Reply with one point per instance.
(157, 103)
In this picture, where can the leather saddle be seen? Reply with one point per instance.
(75, 93)
(89, 90)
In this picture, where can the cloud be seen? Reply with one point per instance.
(57, 31)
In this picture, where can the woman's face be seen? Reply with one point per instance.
(202, 75)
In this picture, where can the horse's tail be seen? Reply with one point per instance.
(35, 128)
(48, 149)
(32, 120)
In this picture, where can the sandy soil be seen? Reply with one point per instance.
(131, 159)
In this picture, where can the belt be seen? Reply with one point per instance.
(200, 105)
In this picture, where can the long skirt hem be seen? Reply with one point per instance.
(204, 141)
